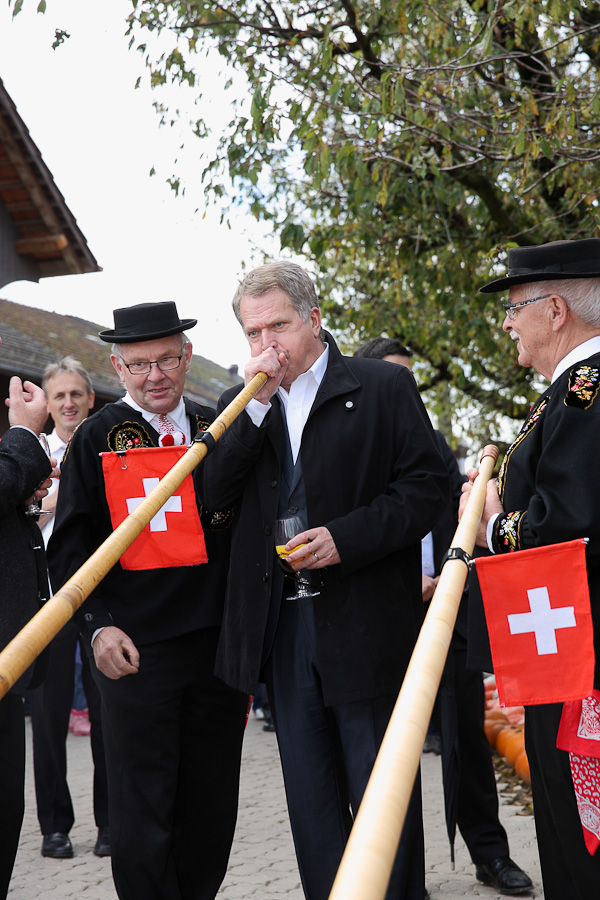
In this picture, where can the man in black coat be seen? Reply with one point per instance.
(23, 586)
(172, 730)
(347, 445)
(548, 491)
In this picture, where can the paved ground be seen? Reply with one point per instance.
(262, 865)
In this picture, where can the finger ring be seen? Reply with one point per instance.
(315, 556)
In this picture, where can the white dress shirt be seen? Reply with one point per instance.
(177, 417)
(57, 450)
(297, 402)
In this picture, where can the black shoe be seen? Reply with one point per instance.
(57, 846)
(102, 847)
(505, 875)
(269, 726)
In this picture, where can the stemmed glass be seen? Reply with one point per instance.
(285, 530)
(34, 508)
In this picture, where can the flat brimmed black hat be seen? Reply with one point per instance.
(145, 322)
(547, 262)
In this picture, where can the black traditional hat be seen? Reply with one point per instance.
(146, 322)
(547, 262)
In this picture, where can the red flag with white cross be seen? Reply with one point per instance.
(174, 536)
(537, 608)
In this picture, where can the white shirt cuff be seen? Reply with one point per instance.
(490, 531)
(257, 411)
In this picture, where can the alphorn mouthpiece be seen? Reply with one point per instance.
(489, 450)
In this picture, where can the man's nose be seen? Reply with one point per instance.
(155, 373)
(268, 340)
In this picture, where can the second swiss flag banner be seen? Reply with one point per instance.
(174, 536)
(537, 608)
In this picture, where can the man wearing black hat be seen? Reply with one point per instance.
(549, 491)
(172, 731)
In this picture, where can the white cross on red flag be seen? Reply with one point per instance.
(537, 608)
(174, 536)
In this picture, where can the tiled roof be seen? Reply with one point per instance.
(32, 338)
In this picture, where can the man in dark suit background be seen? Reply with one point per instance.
(172, 731)
(462, 689)
(346, 444)
(70, 397)
(23, 586)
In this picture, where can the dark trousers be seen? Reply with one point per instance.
(50, 710)
(477, 818)
(12, 784)
(173, 736)
(327, 754)
(568, 870)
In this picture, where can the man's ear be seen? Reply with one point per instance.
(558, 311)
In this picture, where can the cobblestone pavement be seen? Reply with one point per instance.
(262, 865)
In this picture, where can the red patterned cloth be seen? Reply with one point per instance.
(579, 734)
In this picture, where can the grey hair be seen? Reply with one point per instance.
(115, 349)
(67, 364)
(582, 296)
(288, 277)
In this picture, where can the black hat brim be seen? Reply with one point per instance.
(114, 337)
(502, 284)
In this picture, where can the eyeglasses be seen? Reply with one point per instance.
(511, 308)
(145, 367)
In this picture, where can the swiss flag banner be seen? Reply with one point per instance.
(537, 608)
(174, 537)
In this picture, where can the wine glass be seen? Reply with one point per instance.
(34, 508)
(285, 530)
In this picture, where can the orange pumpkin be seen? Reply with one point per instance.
(492, 728)
(509, 743)
(522, 767)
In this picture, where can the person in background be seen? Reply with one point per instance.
(24, 473)
(477, 807)
(70, 397)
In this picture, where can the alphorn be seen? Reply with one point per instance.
(19, 654)
(366, 866)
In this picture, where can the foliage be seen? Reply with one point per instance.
(402, 146)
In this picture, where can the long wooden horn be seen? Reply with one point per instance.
(367, 863)
(39, 631)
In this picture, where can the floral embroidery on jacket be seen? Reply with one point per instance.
(506, 528)
(584, 383)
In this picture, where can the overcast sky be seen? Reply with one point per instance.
(100, 138)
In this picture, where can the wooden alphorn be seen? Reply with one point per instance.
(366, 866)
(19, 654)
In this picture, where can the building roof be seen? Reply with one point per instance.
(39, 235)
(32, 338)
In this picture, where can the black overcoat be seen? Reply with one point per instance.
(23, 579)
(375, 478)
